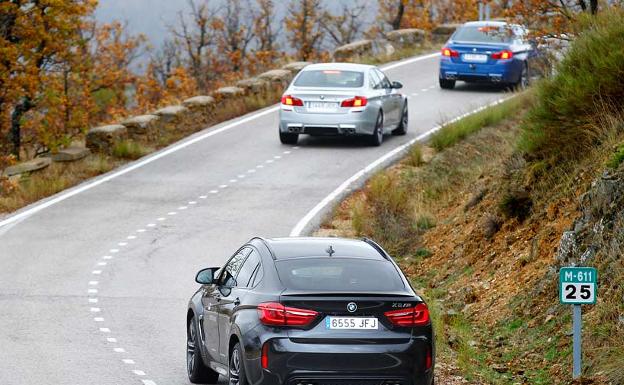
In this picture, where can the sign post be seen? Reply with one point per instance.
(577, 286)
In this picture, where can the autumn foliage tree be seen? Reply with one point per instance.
(303, 24)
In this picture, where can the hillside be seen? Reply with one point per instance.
(483, 225)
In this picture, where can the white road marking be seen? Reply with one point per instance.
(241, 176)
(286, 152)
(223, 186)
(142, 230)
(301, 225)
(93, 283)
(138, 372)
(269, 161)
(233, 181)
(192, 203)
(101, 263)
(111, 339)
(100, 319)
(424, 89)
(171, 213)
(92, 291)
(296, 148)
(161, 219)
(182, 207)
(203, 196)
(105, 330)
(432, 87)
(93, 300)
(120, 350)
(128, 361)
(277, 157)
(414, 94)
(148, 382)
(96, 272)
(131, 237)
(151, 225)
(260, 166)
(122, 244)
(113, 251)
(107, 257)
(214, 191)
(95, 310)
(251, 171)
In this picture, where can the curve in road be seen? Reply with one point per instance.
(94, 281)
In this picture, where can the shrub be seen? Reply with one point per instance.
(516, 204)
(415, 156)
(588, 84)
(128, 149)
(617, 158)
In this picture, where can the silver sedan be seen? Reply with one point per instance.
(342, 99)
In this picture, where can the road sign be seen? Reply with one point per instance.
(578, 285)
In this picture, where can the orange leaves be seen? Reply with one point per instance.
(304, 29)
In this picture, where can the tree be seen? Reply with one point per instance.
(36, 37)
(234, 28)
(303, 23)
(346, 26)
(266, 31)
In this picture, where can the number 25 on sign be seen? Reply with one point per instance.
(577, 285)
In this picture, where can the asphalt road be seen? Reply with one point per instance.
(94, 287)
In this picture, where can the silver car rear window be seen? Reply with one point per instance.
(330, 79)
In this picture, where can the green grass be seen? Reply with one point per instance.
(129, 149)
(567, 119)
(454, 132)
(617, 158)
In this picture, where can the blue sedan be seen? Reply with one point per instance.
(487, 51)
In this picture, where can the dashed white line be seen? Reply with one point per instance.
(260, 166)
(105, 330)
(214, 191)
(203, 196)
(93, 283)
(286, 152)
(101, 263)
(92, 291)
(111, 339)
(143, 230)
(151, 225)
(269, 161)
(277, 157)
(241, 176)
(251, 171)
(119, 350)
(128, 361)
(95, 310)
(107, 257)
(100, 319)
(148, 382)
(192, 203)
(161, 219)
(113, 251)
(233, 181)
(414, 94)
(171, 213)
(223, 186)
(93, 300)
(131, 237)
(296, 148)
(96, 272)
(138, 372)
(182, 207)
(424, 89)
(122, 244)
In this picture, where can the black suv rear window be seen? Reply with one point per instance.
(330, 79)
(339, 274)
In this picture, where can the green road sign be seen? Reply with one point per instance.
(578, 285)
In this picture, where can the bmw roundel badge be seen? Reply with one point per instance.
(351, 307)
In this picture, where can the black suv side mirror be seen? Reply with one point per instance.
(397, 85)
(206, 276)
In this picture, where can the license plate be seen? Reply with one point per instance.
(355, 323)
(474, 57)
(321, 106)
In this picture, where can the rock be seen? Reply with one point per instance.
(406, 38)
(443, 32)
(27, 166)
(71, 154)
(200, 102)
(201, 109)
(281, 76)
(253, 85)
(104, 138)
(568, 249)
(143, 126)
(296, 66)
(353, 51)
(389, 49)
(171, 113)
(225, 93)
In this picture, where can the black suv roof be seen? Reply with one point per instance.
(297, 247)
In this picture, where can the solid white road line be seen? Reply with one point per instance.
(303, 223)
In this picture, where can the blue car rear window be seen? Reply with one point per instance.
(330, 79)
(484, 34)
(333, 274)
